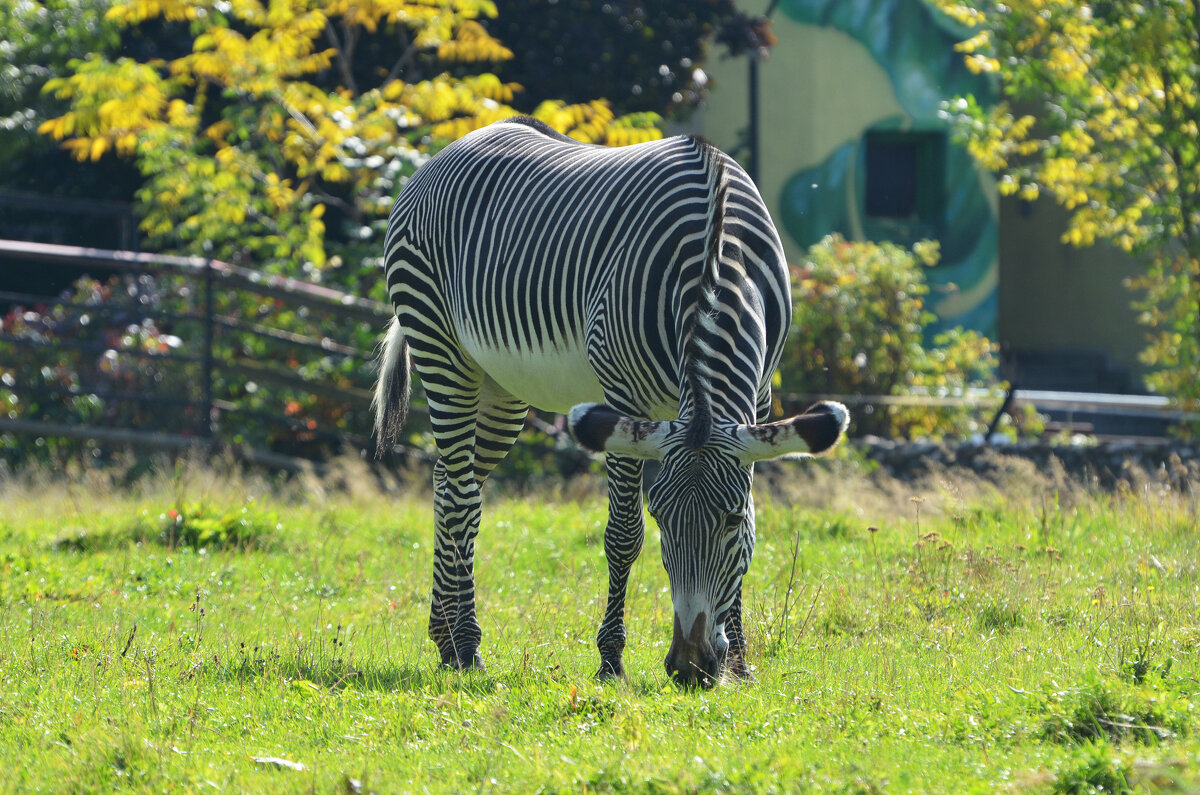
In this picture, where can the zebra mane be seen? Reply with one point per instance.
(701, 326)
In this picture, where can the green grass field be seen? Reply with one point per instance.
(181, 634)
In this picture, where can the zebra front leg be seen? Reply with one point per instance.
(623, 537)
(735, 657)
(452, 622)
(735, 660)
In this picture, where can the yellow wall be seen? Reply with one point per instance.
(819, 89)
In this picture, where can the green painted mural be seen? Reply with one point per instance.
(915, 48)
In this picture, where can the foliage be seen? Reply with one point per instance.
(643, 56)
(1170, 306)
(1101, 106)
(37, 42)
(278, 114)
(137, 666)
(77, 383)
(858, 328)
(128, 353)
(1108, 709)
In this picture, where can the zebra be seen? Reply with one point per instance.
(642, 291)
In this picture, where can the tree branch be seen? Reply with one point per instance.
(345, 53)
(406, 59)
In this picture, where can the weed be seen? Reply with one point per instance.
(998, 617)
(1110, 710)
(1095, 768)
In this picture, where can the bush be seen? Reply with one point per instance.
(1170, 309)
(128, 353)
(62, 364)
(860, 328)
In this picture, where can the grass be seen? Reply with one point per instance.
(206, 631)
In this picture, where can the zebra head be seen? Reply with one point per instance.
(702, 503)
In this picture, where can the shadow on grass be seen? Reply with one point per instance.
(321, 668)
(335, 675)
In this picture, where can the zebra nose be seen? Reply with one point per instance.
(692, 660)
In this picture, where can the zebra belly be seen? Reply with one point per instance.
(554, 379)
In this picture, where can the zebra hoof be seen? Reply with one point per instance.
(737, 669)
(610, 671)
(472, 663)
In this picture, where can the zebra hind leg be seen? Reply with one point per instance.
(452, 622)
(499, 419)
(453, 407)
(623, 537)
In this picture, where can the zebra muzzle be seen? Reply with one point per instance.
(693, 659)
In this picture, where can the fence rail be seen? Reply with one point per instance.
(163, 441)
(228, 276)
(198, 392)
(198, 372)
(1154, 406)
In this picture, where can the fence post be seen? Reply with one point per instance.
(1004, 408)
(206, 382)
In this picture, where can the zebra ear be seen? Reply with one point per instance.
(811, 433)
(600, 429)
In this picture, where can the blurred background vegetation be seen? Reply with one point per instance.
(275, 136)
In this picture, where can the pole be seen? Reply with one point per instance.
(206, 429)
(1004, 408)
(752, 129)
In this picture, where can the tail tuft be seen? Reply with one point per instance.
(823, 425)
(390, 403)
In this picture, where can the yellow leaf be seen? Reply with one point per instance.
(51, 127)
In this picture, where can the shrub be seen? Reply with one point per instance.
(1170, 308)
(128, 353)
(62, 364)
(860, 327)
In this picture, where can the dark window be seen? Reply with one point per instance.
(906, 175)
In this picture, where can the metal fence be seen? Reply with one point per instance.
(224, 340)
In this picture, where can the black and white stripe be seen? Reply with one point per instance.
(526, 268)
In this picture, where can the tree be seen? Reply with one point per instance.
(37, 41)
(282, 115)
(1100, 110)
(642, 56)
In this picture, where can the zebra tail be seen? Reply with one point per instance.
(390, 403)
(698, 350)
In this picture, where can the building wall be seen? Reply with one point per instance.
(842, 72)
(1054, 297)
